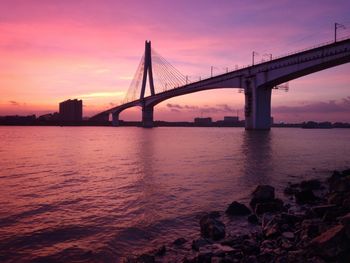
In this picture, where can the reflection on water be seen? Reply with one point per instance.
(93, 194)
(257, 152)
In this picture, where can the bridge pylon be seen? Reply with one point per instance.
(147, 68)
(147, 111)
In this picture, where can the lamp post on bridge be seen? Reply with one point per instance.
(336, 26)
(253, 56)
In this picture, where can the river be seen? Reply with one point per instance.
(95, 194)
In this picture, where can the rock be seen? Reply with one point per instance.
(216, 260)
(316, 260)
(346, 203)
(290, 219)
(268, 244)
(289, 190)
(237, 209)
(198, 243)
(321, 210)
(204, 257)
(285, 228)
(266, 257)
(251, 259)
(335, 198)
(235, 241)
(161, 251)
(261, 194)
(221, 250)
(180, 241)
(267, 219)
(328, 242)
(250, 247)
(253, 219)
(310, 228)
(295, 256)
(340, 185)
(190, 259)
(212, 228)
(305, 197)
(146, 258)
(345, 220)
(271, 231)
(274, 205)
(346, 172)
(312, 184)
(288, 235)
(286, 244)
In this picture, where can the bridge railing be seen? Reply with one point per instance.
(312, 47)
(264, 61)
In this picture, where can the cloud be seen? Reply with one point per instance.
(14, 103)
(174, 106)
(102, 94)
(331, 106)
(219, 108)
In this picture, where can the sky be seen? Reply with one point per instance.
(54, 50)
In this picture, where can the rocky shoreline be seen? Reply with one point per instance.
(314, 227)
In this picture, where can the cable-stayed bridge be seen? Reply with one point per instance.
(257, 81)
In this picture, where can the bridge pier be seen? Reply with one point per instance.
(257, 107)
(115, 119)
(147, 116)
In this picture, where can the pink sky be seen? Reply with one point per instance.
(89, 49)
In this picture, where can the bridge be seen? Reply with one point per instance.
(256, 80)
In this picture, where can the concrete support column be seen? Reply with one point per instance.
(115, 119)
(147, 116)
(257, 107)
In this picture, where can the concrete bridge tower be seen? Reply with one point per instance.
(257, 109)
(147, 111)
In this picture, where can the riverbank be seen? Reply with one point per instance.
(313, 226)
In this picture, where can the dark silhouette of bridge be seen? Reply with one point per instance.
(257, 81)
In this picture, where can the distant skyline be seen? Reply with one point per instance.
(52, 51)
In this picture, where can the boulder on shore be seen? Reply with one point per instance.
(211, 227)
(305, 197)
(262, 194)
(328, 243)
(274, 205)
(237, 209)
(312, 184)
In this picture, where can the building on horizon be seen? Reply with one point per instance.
(203, 121)
(71, 110)
(49, 117)
(231, 119)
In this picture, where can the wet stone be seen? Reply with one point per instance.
(288, 235)
(212, 228)
(146, 258)
(274, 205)
(289, 190)
(253, 219)
(261, 194)
(312, 184)
(198, 243)
(237, 209)
(305, 197)
(326, 243)
(321, 210)
(180, 241)
(161, 251)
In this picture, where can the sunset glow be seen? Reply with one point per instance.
(56, 50)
